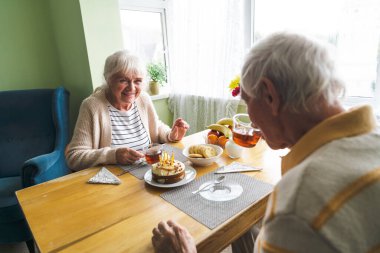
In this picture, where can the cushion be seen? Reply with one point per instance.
(27, 130)
(9, 208)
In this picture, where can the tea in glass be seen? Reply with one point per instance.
(243, 133)
(152, 153)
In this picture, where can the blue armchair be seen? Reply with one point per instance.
(33, 135)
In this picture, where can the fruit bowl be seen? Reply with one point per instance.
(220, 132)
(204, 161)
(216, 140)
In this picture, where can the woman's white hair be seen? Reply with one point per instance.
(122, 62)
(302, 71)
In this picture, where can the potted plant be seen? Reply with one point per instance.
(157, 74)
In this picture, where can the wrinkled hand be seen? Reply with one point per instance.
(169, 237)
(178, 130)
(127, 155)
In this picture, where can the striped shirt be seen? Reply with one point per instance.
(127, 128)
(328, 198)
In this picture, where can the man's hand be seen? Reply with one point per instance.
(178, 130)
(170, 237)
(127, 155)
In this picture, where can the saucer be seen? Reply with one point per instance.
(222, 192)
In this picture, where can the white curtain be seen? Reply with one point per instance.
(206, 52)
(201, 111)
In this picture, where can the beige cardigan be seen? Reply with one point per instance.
(91, 142)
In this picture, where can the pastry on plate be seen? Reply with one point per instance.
(168, 170)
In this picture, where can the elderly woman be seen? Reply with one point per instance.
(118, 120)
(325, 200)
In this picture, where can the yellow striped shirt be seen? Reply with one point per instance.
(329, 197)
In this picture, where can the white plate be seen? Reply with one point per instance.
(190, 174)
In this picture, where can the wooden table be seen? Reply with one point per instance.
(69, 215)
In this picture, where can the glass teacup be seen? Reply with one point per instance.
(243, 133)
(152, 152)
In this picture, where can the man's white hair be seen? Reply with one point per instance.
(302, 71)
(122, 62)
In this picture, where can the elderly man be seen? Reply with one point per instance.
(328, 198)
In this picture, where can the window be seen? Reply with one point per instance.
(353, 26)
(144, 29)
(208, 42)
(208, 39)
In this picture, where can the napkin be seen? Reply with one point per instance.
(104, 176)
(236, 167)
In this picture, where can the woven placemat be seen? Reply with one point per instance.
(140, 170)
(213, 213)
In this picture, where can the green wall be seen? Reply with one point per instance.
(66, 21)
(42, 46)
(163, 112)
(27, 49)
(49, 43)
(102, 29)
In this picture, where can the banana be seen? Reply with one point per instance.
(225, 121)
(221, 128)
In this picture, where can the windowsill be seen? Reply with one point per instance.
(159, 96)
(164, 93)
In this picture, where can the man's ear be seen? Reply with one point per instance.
(270, 95)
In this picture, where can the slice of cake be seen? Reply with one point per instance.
(168, 170)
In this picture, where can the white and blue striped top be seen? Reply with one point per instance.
(127, 128)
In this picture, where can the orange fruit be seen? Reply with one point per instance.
(222, 140)
(214, 132)
(212, 139)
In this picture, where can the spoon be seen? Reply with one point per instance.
(216, 181)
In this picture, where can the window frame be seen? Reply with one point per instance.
(249, 23)
(156, 6)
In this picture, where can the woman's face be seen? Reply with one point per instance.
(124, 89)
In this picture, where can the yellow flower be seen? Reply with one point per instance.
(234, 83)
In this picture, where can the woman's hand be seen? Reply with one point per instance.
(127, 155)
(169, 237)
(178, 130)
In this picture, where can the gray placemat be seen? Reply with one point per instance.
(140, 170)
(213, 213)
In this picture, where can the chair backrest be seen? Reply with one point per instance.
(27, 127)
